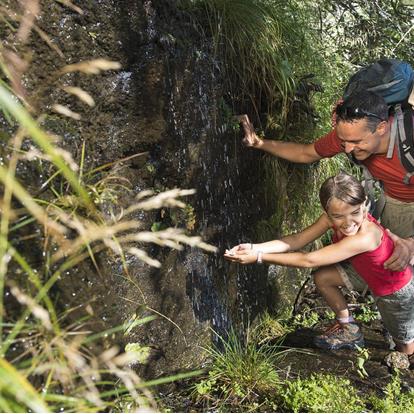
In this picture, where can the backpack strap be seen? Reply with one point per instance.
(406, 179)
(393, 137)
(373, 189)
(376, 204)
(404, 121)
(409, 143)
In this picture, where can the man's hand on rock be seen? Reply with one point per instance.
(250, 137)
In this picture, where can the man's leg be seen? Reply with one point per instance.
(398, 217)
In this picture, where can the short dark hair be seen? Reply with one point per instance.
(344, 187)
(363, 104)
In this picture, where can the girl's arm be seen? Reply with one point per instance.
(299, 240)
(334, 253)
(287, 243)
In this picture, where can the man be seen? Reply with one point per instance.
(362, 130)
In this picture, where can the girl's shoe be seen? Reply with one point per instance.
(341, 336)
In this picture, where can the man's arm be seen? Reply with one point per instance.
(290, 151)
(403, 253)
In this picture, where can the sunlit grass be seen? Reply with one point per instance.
(49, 361)
(241, 374)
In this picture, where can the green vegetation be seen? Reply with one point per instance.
(256, 55)
(264, 62)
(322, 393)
(245, 376)
(367, 311)
(393, 398)
(241, 375)
(50, 357)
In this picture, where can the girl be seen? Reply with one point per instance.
(359, 238)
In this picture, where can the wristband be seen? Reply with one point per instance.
(259, 257)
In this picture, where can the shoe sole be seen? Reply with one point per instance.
(359, 343)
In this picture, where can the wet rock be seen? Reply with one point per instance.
(397, 360)
(166, 102)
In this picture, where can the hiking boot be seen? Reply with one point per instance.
(340, 336)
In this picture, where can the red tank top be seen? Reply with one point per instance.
(370, 266)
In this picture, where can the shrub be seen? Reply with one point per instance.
(394, 400)
(320, 393)
(241, 376)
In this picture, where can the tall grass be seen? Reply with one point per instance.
(48, 362)
(241, 374)
(258, 41)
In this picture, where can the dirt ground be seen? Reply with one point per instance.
(305, 358)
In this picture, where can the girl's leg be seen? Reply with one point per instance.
(345, 333)
(328, 280)
(405, 348)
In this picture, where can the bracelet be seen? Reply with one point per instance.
(251, 246)
(259, 257)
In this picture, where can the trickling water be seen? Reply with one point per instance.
(167, 101)
(208, 159)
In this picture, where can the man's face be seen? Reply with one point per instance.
(357, 139)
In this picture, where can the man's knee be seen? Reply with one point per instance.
(327, 276)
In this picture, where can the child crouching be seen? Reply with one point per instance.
(359, 239)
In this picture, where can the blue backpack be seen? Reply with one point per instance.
(392, 79)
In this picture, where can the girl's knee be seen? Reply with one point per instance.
(405, 348)
(327, 276)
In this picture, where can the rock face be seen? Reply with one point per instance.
(165, 102)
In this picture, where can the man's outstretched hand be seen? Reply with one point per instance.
(250, 137)
(403, 253)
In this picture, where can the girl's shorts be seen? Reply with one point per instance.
(397, 313)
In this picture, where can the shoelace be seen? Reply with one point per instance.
(333, 329)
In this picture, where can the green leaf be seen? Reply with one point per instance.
(14, 383)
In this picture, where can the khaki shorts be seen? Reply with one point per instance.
(399, 218)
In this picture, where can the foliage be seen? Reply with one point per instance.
(394, 399)
(140, 352)
(269, 329)
(362, 358)
(366, 312)
(365, 31)
(305, 319)
(352, 34)
(240, 375)
(260, 61)
(320, 393)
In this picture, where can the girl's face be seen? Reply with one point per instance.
(346, 218)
